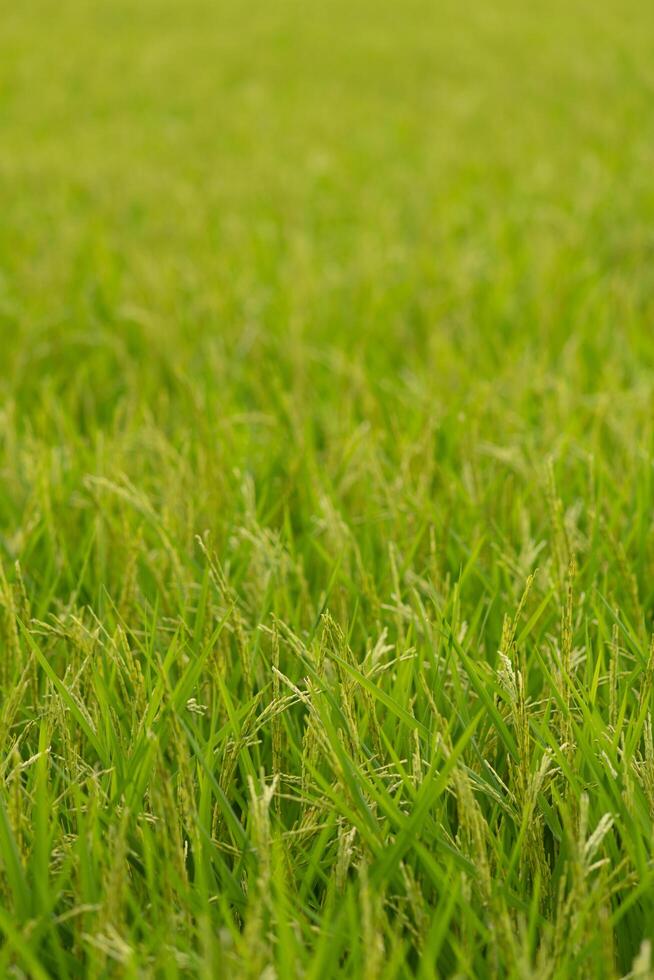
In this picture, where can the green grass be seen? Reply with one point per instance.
(327, 489)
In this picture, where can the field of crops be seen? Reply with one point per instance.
(326, 489)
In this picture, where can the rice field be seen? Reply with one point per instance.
(326, 489)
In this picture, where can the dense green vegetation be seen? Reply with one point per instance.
(327, 490)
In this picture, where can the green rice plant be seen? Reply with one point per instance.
(326, 494)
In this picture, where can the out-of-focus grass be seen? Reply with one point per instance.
(326, 489)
